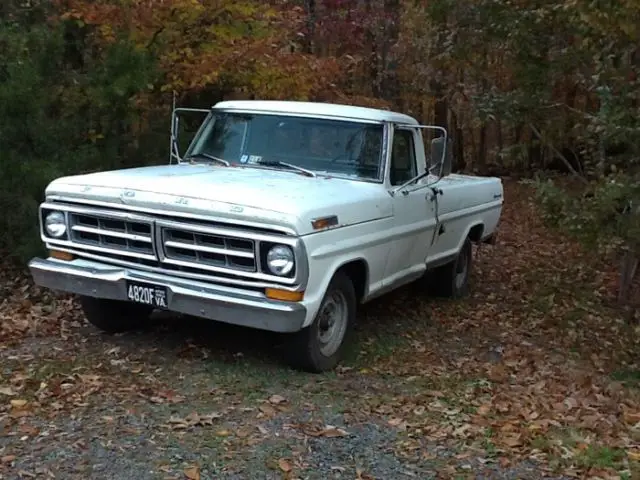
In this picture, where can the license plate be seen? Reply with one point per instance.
(152, 295)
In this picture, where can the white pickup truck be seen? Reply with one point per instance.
(282, 216)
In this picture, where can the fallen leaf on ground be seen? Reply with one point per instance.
(484, 409)
(8, 391)
(277, 399)
(361, 475)
(284, 465)
(330, 432)
(631, 417)
(511, 440)
(192, 473)
(193, 420)
(267, 409)
(634, 455)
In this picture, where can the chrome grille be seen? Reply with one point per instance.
(184, 247)
(188, 247)
(131, 238)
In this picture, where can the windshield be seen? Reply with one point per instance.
(332, 147)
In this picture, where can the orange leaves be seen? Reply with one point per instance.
(201, 44)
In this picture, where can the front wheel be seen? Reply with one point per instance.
(320, 346)
(114, 316)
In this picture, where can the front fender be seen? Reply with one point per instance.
(319, 283)
(331, 250)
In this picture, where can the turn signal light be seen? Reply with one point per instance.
(324, 222)
(286, 295)
(57, 254)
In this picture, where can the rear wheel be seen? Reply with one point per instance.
(320, 346)
(113, 316)
(452, 280)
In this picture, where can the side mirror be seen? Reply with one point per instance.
(441, 156)
(174, 145)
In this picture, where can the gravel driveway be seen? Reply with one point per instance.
(516, 382)
(159, 405)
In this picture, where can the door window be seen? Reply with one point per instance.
(403, 157)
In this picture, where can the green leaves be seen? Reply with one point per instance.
(605, 215)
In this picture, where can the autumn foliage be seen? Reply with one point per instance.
(523, 87)
(211, 44)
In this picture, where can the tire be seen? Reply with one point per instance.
(113, 316)
(452, 280)
(320, 346)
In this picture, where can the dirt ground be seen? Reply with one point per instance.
(532, 376)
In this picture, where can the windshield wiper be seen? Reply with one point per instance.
(277, 163)
(209, 157)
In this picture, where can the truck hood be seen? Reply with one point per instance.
(243, 194)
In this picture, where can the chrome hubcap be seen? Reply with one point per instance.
(332, 323)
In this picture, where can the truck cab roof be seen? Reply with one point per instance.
(346, 112)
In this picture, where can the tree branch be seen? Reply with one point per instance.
(537, 133)
(154, 37)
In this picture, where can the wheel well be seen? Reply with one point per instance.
(358, 272)
(475, 234)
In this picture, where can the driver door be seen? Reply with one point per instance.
(413, 211)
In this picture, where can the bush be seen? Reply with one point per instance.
(57, 120)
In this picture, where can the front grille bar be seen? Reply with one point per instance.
(131, 237)
(115, 234)
(202, 248)
(208, 249)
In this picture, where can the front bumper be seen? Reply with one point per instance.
(215, 302)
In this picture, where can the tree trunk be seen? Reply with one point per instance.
(534, 154)
(628, 271)
(371, 42)
(390, 83)
(458, 144)
(441, 106)
(310, 10)
(474, 148)
(482, 149)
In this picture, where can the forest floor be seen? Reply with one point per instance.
(532, 376)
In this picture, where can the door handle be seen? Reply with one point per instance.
(434, 194)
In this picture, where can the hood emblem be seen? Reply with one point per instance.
(127, 194)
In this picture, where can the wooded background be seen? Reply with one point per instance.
(524, 86)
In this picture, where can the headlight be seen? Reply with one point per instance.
(280, 260)
(55, 225)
